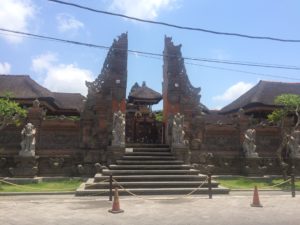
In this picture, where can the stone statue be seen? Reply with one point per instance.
(118, 129)
(249, 146)
(294, 144)
(28, 140)
(177, 130)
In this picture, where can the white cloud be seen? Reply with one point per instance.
(234, 91)
(67, 22)
(220, 54)
(43, 62)
(144, 9)
(61, 77)
(4, 68)
(16, 15)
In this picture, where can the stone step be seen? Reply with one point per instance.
(99, 178)
(150, 167)
(149, 162)
(151, 184)
(150, 150)
(149, 172)
(150, 191)
(149, 158)
(148, 154)
(139, 145)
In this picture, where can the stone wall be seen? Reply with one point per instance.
(57, 148)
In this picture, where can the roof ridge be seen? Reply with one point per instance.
(260, 87)
(73, 93)
(36, 88)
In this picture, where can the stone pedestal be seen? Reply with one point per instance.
(251, 155)
(25, 166)
(24, 153)
(114, 153)
(251, 167)
(182, 153)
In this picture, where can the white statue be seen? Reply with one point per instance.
(28, 140)
(294, 144)
(118, 129)
(249, 146)
(177, 130)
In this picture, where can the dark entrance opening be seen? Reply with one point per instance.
(142, 124)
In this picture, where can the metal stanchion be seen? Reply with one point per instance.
(209, 186)
(293, 189)
(110, 187)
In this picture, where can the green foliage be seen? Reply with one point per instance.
(249, 183)
(159, 116)
(47, 186)
(290, 104)
(289, 101)
(277, 115)
(73, 118)
(10, 113)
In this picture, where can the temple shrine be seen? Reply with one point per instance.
(142, 125)
(107, 132)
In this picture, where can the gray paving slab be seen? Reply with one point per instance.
(233, 209)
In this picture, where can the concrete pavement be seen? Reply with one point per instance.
(234, 209)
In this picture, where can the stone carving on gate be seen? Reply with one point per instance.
(28, 140)
(294, 144)
(118, 129)
(249, 146)
(177, 130)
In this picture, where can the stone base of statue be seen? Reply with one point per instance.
(24, 166)
(252, 166)
(114, 153)
(251, 155)
(181, 152)
(24, 153)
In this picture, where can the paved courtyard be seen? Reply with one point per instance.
(279, 208)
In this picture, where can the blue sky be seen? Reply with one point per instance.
(64, 67)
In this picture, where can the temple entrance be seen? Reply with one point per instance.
(142, 124)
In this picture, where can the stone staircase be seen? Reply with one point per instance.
(149, 170)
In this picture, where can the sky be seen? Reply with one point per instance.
(65, 68)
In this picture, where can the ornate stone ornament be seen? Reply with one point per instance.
(177, 130)
(118, 129)
(28, 140)
(249, 145)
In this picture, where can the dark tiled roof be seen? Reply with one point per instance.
(69, 100)
(140, 93)
(263, 93)
(23, 87)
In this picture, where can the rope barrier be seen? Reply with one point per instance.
(275, 185)
(138, 196)
(34, 188)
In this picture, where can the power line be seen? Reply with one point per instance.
(159, 56)
(243, 71)
(177, 26)
(240, 63)
(232, 70)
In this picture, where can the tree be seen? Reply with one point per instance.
(10, 113)
(289, 106)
